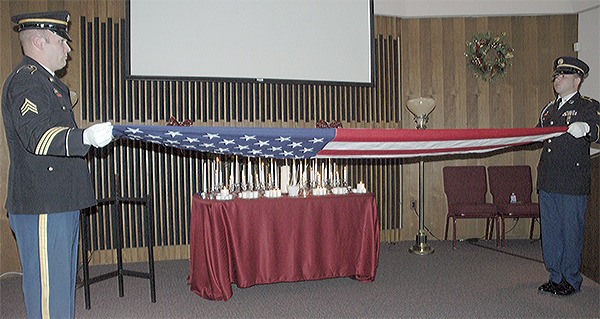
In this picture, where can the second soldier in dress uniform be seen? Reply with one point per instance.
(564, 176)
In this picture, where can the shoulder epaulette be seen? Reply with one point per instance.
(27, 68)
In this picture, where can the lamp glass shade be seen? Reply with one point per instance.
(421, 106)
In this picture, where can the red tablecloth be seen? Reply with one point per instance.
(268, 240)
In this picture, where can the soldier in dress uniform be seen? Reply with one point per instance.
(49, 181)
(564, 175)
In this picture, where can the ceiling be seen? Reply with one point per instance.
(462, 8)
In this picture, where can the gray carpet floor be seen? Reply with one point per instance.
(476, 280)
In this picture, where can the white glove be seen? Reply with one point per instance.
(578, 129)
(98, 135)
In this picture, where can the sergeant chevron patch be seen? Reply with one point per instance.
(28, 106)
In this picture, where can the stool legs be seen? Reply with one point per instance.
(150, 243)
(85, 246)
(117, 235)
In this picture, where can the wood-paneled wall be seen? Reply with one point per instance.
(430, 62)
(433, 64)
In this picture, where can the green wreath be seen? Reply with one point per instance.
(489, 55)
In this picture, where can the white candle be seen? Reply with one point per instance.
(329, 176)
(346, 174)
(261, 170)
(323, 174)
(304, 172)
(360, 187)
(205, 173)
(276, 175)
(220, 171)
(285, 178)
(213, 170)
(304, 176)
(272, 170)
(250, 171)
(237, 170)
(319, 179)
(294, 182)
(216, 179)
(334, 175)
(244, 174)
(231, 175)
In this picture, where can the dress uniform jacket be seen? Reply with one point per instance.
(48, 166)
(564, 165)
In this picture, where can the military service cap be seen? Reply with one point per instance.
(570, 65)
(56, 21)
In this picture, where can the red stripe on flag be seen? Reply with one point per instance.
(399, 135)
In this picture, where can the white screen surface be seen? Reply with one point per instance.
(305, 40)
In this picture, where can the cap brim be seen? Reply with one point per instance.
(566, 71)
(63, 34)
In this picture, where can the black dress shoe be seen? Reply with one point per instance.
(565, 289)
(550, 287)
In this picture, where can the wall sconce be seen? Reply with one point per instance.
(420, 108)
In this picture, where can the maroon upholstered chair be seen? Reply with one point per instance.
(506, 180)
(466, 189)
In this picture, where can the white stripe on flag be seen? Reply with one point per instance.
(348, 149)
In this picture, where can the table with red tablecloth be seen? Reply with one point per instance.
(268, 240)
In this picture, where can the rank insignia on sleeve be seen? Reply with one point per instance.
(28, 106)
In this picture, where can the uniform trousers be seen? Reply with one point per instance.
(562, 226)
(48, 246)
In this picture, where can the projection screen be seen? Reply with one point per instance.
(253, 40)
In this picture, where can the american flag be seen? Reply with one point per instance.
(334, 142)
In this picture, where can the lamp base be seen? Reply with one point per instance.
(421, 247)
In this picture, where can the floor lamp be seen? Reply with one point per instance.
(420, 108)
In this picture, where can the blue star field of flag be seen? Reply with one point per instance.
(244, 141)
